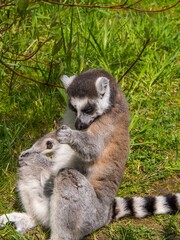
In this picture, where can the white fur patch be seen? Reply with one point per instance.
(138, 206)
(178, 200)
(22, 221)
(79, 104)
(104, 102)
(121, 208)
(101, 85)
(161, 205)
(67, 80)
(62, 158)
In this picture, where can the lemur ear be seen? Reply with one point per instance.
(67, 80)
(102, 84)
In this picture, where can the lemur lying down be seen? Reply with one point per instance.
(75, 202)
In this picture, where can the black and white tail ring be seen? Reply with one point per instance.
(140, 207)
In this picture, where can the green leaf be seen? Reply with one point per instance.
(56, 47)
(22, 5)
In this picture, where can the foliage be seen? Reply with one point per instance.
(40, 41)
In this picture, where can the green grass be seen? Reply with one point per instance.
(80, 39)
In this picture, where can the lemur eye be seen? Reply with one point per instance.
(49, 145)
(89, 109)
(72, 107)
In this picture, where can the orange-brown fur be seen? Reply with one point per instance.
(106, 172)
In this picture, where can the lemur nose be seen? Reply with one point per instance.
(80, 125)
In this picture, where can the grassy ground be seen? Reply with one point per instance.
(110, 40)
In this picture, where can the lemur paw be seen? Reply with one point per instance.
(64, 134)
(21, 221)
(3, 220)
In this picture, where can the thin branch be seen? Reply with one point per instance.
(29, 56)
(28, 78)
(6, 28)
(6, 5)
(80, 5)
(14, 53)
(123, 6)
(25, 56)
(132, 65)
(11, 81)
(155, 11)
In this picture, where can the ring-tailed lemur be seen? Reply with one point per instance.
(78, 205)
(35, 183)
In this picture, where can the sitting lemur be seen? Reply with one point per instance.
(73, 191)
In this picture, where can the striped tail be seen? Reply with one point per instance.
(140, 207)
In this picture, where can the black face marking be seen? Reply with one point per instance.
(26, 154)
(72, 107)
(49, 145)
(89, 109)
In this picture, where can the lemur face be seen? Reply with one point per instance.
(86, 111)
(89, 96)
(48, 144)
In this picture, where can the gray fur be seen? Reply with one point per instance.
(82, 212)
(75, 202)
(81, 142)
(34, 172)
(101, 138)
(77, 205)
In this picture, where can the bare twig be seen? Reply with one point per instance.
(155, 11)
(132, 65)
(11, 82)
(29, 78)
(6, 5)
(25, 56)
(80, 5)
(123, 6)
(6, 28)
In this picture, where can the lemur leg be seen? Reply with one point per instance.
(22, 221)
(75, 210)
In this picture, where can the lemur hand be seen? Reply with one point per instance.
(64, 134)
